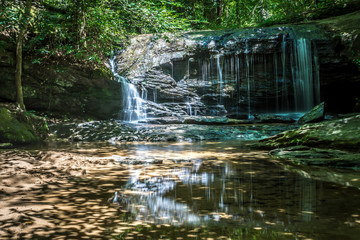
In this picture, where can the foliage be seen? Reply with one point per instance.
(87, 30)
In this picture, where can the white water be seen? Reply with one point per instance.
(189, 110)
(285, 98)
(306, 85)
(294, 72)
(248, 65)
(220, 77)
(133, 105)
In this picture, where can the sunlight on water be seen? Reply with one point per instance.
(207, 190)
(225, 190)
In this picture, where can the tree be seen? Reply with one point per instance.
(24, 17)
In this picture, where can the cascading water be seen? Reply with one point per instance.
(189, 110)
(248, 77)
(220, 77)
(236, 77)
(306, 84)
(133, 104)
(290, 78)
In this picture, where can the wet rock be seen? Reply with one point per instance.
(165, 120)
(134, 160)
(339, 133)
(272, 118)
(213, 120)
(316, 114)
(213, 128)
(318, 157)
(206, 120)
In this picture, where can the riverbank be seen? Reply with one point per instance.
(27, 177)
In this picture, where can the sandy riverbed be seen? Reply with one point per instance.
(27, 177)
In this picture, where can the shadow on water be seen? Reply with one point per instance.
(209, 190)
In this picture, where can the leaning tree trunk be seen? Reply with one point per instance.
(23, 23)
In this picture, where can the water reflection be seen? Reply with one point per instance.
(221, 186)
(207, 190)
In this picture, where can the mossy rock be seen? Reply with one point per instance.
(341, 133)
(20, 127)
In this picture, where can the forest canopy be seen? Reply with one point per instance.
(88, 29)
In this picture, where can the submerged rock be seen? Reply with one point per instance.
(134, 160)
(316, 114)
(318, 157)
(343, 176)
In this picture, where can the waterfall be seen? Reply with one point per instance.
(283, 81)
(306, 84)
(285, 98)
(189, 110)
(276, 83)
(133, 104)
(248, 65)
(240, 78)
(220, 77)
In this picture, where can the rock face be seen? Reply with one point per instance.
(237, 72)
(61, 88)
(339, 91)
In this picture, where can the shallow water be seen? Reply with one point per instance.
(207, 190)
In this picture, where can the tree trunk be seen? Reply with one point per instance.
(80, 24)
(18, 69)
(23, 23)
(219, 11)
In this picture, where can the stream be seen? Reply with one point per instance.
(198, 190)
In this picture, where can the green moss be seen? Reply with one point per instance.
(11, 130)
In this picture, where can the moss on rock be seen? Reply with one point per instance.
(20, 127)
(339, 133)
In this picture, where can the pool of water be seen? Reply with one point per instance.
(207, 190)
